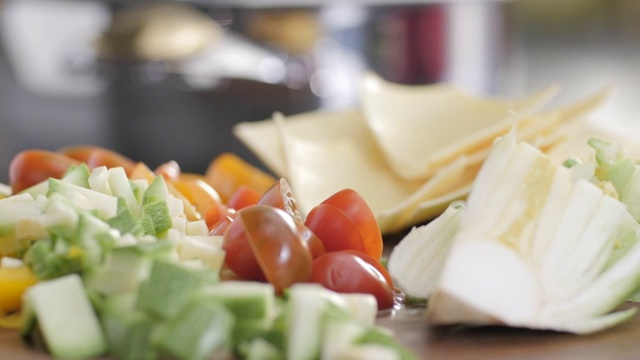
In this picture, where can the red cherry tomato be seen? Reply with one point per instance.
(334, 228)
(239, 254)
(95, 156)
(349, 201)
(221, 226)
(376, 263)
(281, 196)
(346, 272)
(31, 167)
(244, 196)
(313, 242)
(276, 246)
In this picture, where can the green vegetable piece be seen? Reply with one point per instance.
(64, 301)
(124, 220)
(128, 331)
(620, 173)
(41, 188)
(246, 300)
(105, 205)
(95, 238)
(168, 288)
(126, 267)
(157, 191)
(77, 175)
(12, 234)
(156, 218)
(377, 336)
(53, 258)
(198, 330)
(60, 216)
(260, 349)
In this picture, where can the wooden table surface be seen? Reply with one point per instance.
(411, 329)
(456, 342)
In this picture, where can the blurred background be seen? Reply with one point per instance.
(160, 81)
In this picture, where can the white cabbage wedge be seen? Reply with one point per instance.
(537, 248)
(416, 262)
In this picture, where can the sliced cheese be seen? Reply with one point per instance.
(336, 153)
(421, 128)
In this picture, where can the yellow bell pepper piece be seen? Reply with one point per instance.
(228, 172)
(14, 281)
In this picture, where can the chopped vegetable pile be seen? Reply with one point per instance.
(101, 255)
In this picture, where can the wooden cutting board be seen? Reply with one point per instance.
(454, 342)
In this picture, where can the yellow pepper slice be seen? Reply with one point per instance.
(14, 281)
(228, 172)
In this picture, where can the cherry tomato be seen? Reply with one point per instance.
(281, 196)
(313, 242)
(227, 172)
(334, 228)
(349, 201)
(239, 254)
(376, 263)
(221, 226)
(216, 213)
(268, 237)
(243, 196)
(346, 272)
(95, 156)
(31, 167)
(199, 193)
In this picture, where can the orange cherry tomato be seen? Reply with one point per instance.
(95, 156)
(199, 193)
(227, 172)
(281, 196)
(334, 228)
(346, 272)
(31, 167)
(349, 201)
(217, 213)
(272, 236)
(243, 196)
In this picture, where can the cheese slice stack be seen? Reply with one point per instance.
(408, 150)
